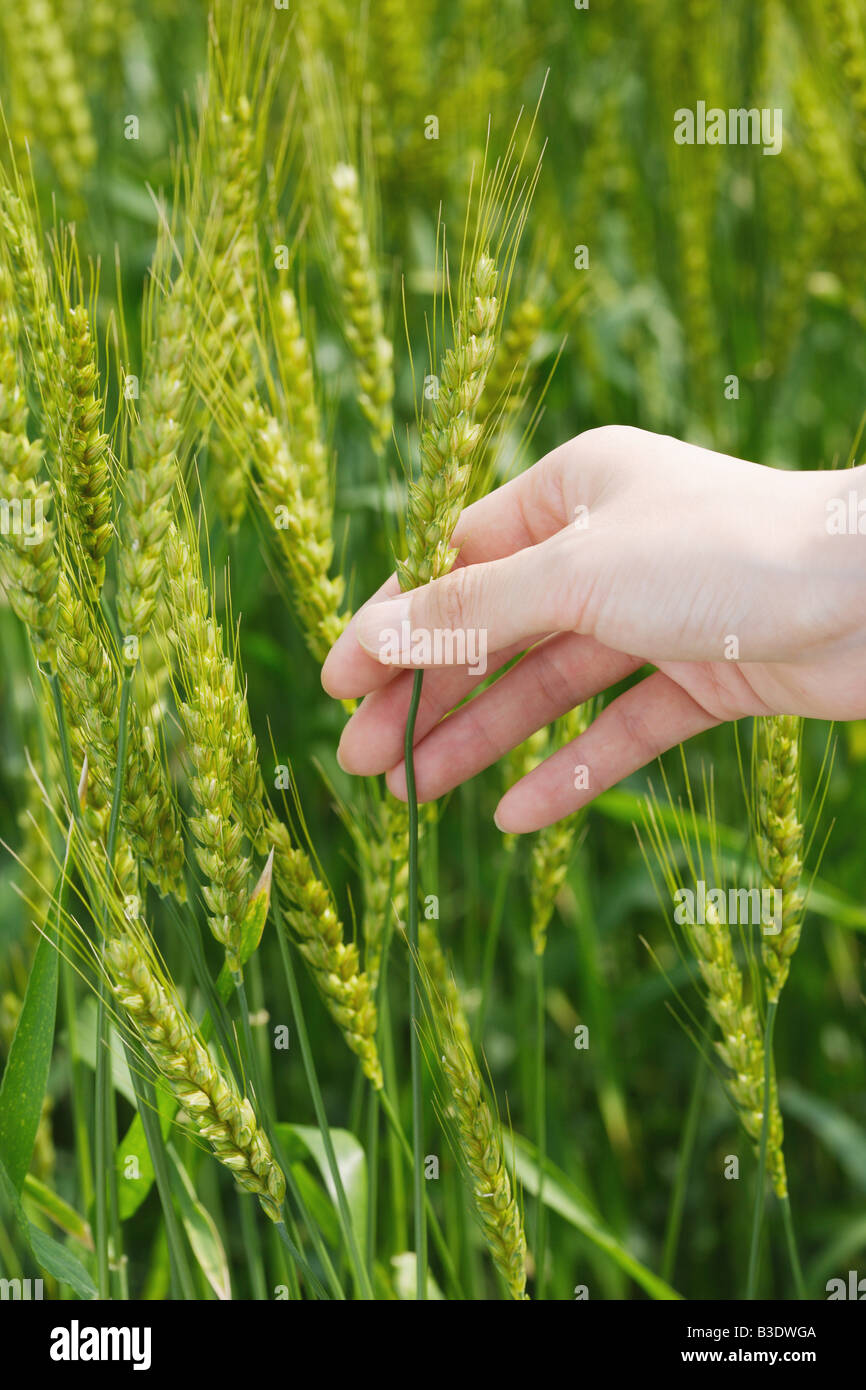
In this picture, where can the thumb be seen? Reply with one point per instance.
(456, 620)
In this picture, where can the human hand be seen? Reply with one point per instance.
(618, 549)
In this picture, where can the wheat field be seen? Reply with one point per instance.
(282, 289)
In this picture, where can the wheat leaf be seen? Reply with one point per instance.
(26, 1075)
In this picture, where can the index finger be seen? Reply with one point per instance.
(347, 668)
(524, 511)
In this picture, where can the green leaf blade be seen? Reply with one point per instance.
(25, 1079)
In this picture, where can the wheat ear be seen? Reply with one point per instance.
(297, 375)
(148, 487)
(84, 456)
(303, 529)
(478, 1132)
(741, 1047)
(62, 356)
(554, 844)
(364, 325)
(482, 1149)
(449, 441)
(90, 685)
(780, 841)
(30, 568)
(49, 104)
(232, 288)
(218, 1112)
(217, 740)
(519, 336)
(334, 964)
(98, 28)
(382, 847)
(38, 320)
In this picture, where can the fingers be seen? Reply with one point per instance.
(483, 608)
(348, 670)
(372, 741)
(525, 512)
(542, 500)
(637, 727)
(550, 680)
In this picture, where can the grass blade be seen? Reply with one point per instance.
(49, 1254)
(26, 1075)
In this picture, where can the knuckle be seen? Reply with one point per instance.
(607, 438)
(568, 581)
(636, 730)
(554, 682)
(452, 600)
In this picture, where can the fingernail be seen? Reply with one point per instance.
(383, 629)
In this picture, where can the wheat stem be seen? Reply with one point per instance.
(436, 1232)
(389, 1071)
(258, 1087)
(492, 941)
(105, 1177)
(361, 1275)
(122, 741)
(415, 998)
(372, 1176)
(791, 1241)
(300, 1261)
(84, 1166)
(102, 1166)
(103, 1276)
(104, 1079)
(684, 1162)
(540, 1129)
(253, 1250)
(758, 1212)
(147, 1108)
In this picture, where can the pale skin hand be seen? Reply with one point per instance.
(687, 558)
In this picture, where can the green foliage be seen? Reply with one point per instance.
(25, 1076)
(294, 199)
